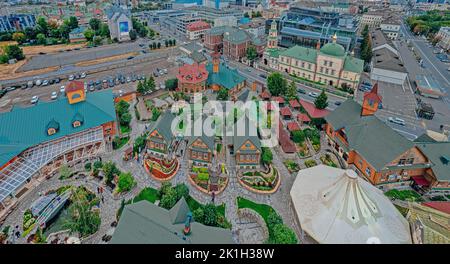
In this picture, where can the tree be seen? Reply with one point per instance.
(125, 119)
(171, 84)
(276, 84)
(222, 94)
(133, 34)
(30, 33)
(97, 40)
(283, 235)
(321, 101)
(89, 34)
(73, 22)
(94, 23)
(104, 31)
(159, 45)
(198, 215)
(14, 52)
(266, 156)
(64, 30)
(166, 43)
(298, 136)
(174, 42)
(154, 45)
(210, 215)
(109, 169)
(140, 88)
(169, 199)
(19, 37)
(251, 53)
(291, 91)
(126, 182)
(42, 26)
(122, 107)
(41, 39)
(182, 191)
(150, 84)
(246, 15)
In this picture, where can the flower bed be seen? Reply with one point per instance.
(200, 178)
(291, 165)
(161, 170)
(261, 182)
(327, 160)
(310, 163)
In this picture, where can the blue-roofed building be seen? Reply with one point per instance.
(77, 35)
(16, 22)
(35, 141)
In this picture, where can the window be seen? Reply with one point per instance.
(321, 69)
(330, 63)
(360, 162)
(326, 71)
(51, 131)
(368, 172)
(303, 65)
(324, 63)
(303, 75)
(309, 66)
(76, 124)
(205, 156)
(333, 72)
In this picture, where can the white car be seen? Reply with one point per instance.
(396, 120)
(313, 94)
(83, 75)
(38, 82)
(120, 93)
(54, 95)
(71, 77)
(45, 83)
(34, 99)
(62, 90)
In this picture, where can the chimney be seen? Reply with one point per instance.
(216, 61)
(187, 224)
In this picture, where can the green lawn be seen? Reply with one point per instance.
(263, 209)
(404, 195)
(193, 205)
(148, 194)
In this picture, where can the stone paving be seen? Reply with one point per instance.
(242, 229)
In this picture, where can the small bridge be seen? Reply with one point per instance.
(51, 210)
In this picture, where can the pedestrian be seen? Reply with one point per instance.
(17, 232)
(98, 190)
(213, 195)
(103, 199)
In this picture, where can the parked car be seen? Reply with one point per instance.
(130, 58)
(83, 75)
(262, 76)
(128, 79)
(71, 77)
(34, 99)
(300, 90)
(133, 78)
(397, 121)
(30, 84)
(38, 82)
(57, 80)
(313, 94)
(337, 103)
(45, 83)
(62, 89)
(52, 81)
(54, 95)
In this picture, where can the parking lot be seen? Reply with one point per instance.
(22, 97)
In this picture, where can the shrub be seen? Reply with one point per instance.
(273, 219)
(203, 176)
(126, 182)
(210, 215)
(283, 235)
(165, 186)
(198, 215)
(266, 156)
(64, 172)
(169, 199)
(98, 164)
(298, 136)
(310, 163)
(110, 169)
(87, 166)
(182, 191)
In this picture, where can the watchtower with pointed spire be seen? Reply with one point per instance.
(272, 40)
(371, 101)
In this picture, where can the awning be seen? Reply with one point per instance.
(420, 180)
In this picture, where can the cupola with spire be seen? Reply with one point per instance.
(371, 101)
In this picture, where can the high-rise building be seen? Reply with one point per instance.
(17, 22)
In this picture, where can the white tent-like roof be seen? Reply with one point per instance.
(336, 206)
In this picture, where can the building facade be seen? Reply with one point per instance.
(444, 38)
(330, 65)
(17, 22)
(36, 141)
(359, 137)
(308, 26)
(119, 23)
(196, 30)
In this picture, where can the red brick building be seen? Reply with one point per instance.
(192, 78)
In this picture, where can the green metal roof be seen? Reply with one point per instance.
(236, 36)
(226, 77)
(374, 140)
(147, 223)
(274, 53)
(333, 49)
(164, 126)
(438, 153)
(352, 64)
(301, 53)
(22, 128)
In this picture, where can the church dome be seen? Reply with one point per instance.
(333, 49)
